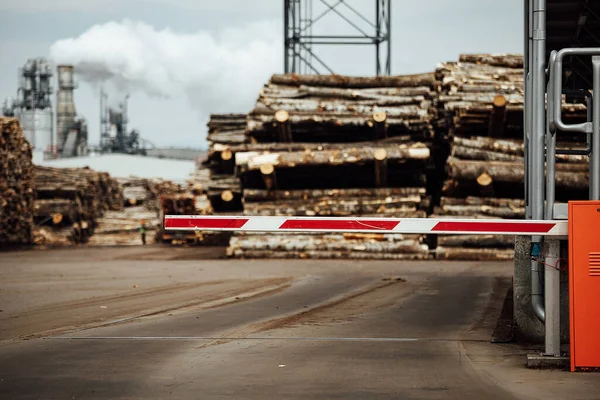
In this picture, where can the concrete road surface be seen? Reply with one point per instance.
(155, 323)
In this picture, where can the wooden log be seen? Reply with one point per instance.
(476, 241)
(395, 153)
(230, 137)
(324, 255)
(470, 153)
(473, 201)
(465, 254)
(499, 60)
(269, 176)
(300, 146)
(56, 211)
(353, 206)
(426, 79)
(224, 182)
(379, 118)
(464, 210)
(324, 242)
(498, 116)
(381, 172)
(285, 130)
(133, 195)
(487, 172)
(397, 95)
(253, 195)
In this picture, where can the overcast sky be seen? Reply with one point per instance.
(183, 59)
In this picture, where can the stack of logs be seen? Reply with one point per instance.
(225, 131)
(70, 201)
(336, 146)
(16, 185)
(145, 201)
(480, 115)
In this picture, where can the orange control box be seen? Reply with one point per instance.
(584, 284)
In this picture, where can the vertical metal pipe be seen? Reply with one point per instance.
(286, 7)
(550, 144)
(589, 104)
(389, 38)
(537, 140)
(527, 105)
(538, 94)
(552, 298)
(377, 33)
(551, 273)
(595, 156)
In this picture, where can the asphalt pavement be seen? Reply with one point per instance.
(314, 329)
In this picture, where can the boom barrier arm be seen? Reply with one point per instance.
(432, 226)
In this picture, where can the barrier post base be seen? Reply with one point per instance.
(541, 361)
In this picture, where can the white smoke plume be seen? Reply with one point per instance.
(217, 72)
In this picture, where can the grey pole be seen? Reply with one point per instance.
(526, 110)
(552, 298)
(550, 142)
(551, 273)
(537, 142)
(595, 156)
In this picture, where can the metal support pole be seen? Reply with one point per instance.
(537, 140)
(550, 144)
(552, 298)
(589, 104)
(527, 108)
(286, 27)
(595, 155)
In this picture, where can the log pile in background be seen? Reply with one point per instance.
(325, 246)
(143, 199)
(480, 116)
(69, 202)
(342, 109)
(337, 146)
(225, 131)
(16, 185)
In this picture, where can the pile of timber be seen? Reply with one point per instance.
(121, 228)
(16, 185)
(329, 246)
(69, 202)
(483, 94)
(480, 115)
(342, 109)
(136, 191)
(336, 146)
(226, 133)
(189, 202)
(144, 199)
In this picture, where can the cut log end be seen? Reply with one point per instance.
(57, 218)
(484, 179)
(132, 201)
(380, 154)
(282, 116)
(227, 195)
(267, 169)
(379, 116)
(226, 155)
(499, 101)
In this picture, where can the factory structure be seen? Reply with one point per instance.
(56, 129)
(33, 105)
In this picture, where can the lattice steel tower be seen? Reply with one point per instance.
(299, 40)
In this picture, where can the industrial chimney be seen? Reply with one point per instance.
(65, 106)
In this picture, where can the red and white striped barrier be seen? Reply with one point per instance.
(367, 225)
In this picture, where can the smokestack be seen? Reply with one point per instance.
(65, 106)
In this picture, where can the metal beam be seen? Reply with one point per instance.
(299, 42)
